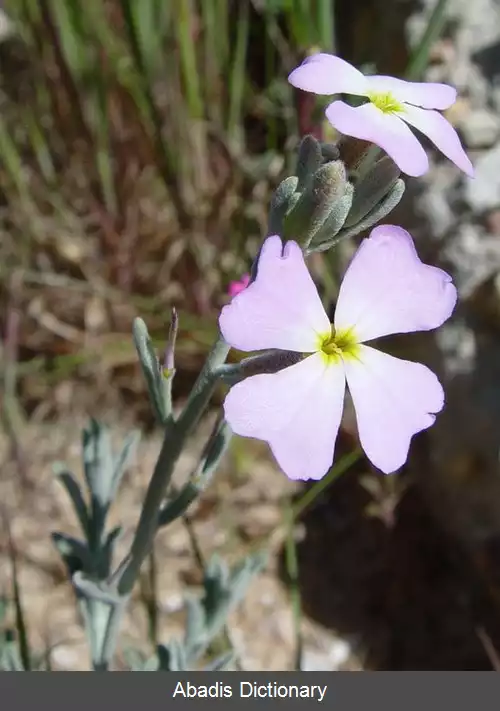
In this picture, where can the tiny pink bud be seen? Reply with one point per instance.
(236, 286)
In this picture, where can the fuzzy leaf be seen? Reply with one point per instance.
(212, 454)
(326, 187)
(283, 199)
(74, 492)
(330, 152)
(98, 462)
(377, 214)
(74, 553)
(309, 160)
(334, 222)
(373, 187)
(195, 637)
(122, 460)
(157, 383)
(107, 550)
(92, 590)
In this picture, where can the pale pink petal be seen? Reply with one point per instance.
(441, 133)
(428, 95)
(394, 399)
(387, 289)
(236, 286)
(280, 309)
(385, 130)
(297, 411)
(326, 74)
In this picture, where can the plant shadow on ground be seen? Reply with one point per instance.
(405, 594)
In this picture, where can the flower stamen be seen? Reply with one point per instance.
(338, 344)
(387, 103)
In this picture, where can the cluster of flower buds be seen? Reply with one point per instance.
(326, 202)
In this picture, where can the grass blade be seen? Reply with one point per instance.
(163, 156)
(420, 56)
(237, 79)
(21, 628)
(316, 489)
(189, 64)
(325, 12)
(292, 571)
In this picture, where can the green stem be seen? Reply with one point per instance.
(312, 494)
(292, 568)
(110, 639)
(176, 433)
(204, 386)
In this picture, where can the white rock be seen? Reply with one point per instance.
(331, 659)
(65, 657)
(480, 128)
(483, 193)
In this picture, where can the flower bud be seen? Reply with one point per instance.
(325, 188)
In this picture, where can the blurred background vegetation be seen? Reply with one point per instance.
(140, 142)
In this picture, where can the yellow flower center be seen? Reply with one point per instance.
(387, 103)
(337, 345)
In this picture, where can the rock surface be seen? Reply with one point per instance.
(456, 217)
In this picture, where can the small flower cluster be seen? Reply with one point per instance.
(297, 409)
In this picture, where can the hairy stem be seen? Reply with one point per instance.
(176, 433)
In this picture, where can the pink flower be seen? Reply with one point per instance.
(393, 103)
(386, 289)
(236, 286)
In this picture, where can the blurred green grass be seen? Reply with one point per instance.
(140, 141)
(133, 137)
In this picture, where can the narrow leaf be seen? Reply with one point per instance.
(74, 492)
